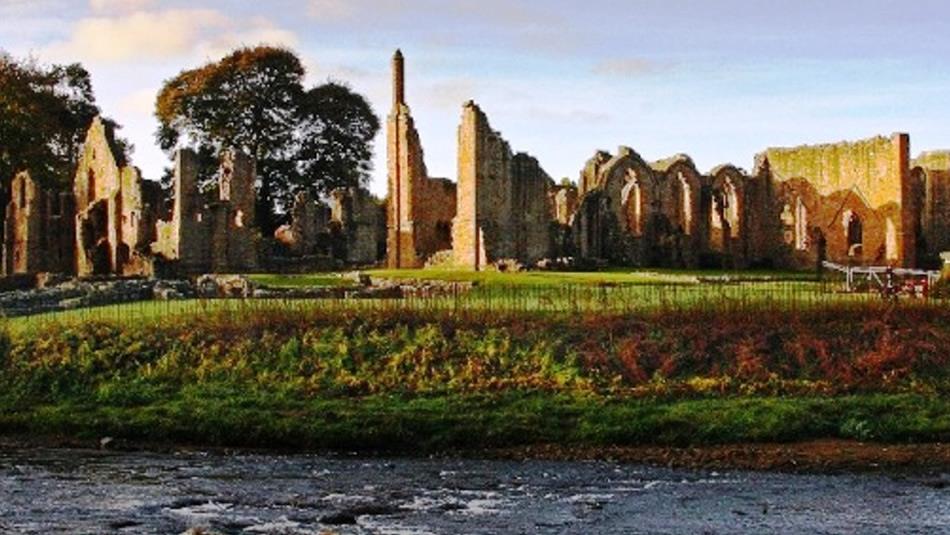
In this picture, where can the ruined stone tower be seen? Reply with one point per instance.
(420, 209)
(502, 209)
(211, 233)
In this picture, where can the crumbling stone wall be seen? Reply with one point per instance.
(420, 209)
(935, 160)
(211, 233)
(668, 214)
(934, 213)
(502, 208)
(38, 229)
(865, 211)
(358, 215)
(113, 217)
(308, 221)
(563, 201)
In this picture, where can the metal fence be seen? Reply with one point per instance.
(570, 299)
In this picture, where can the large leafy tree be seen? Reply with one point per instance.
(254, 100)
(44, 114)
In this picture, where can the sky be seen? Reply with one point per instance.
(719, 80)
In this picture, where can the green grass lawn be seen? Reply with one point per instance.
(263, 373)
(302, 280)
(613, 276)
(532, 278)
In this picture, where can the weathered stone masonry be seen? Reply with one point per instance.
(115, 211)
(502, 208)
(211, 233)
(38, 228)
(856, 200)
(420, 209)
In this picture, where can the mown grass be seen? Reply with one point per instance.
(529, 299)
(424, 381)
(302, 280)
(220, 416)
(614, 276)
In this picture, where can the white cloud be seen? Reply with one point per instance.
(330, 10)
(140, 102)
(160, 35)
(120, 5)
(628, 67)
(141, 35)
(258, 31)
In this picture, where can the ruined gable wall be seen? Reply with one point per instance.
(531, 212)
(23, 250)
(590, 175)
(96, 188)
(235, 217)
(614, 218)
(935, 210)
(677, 232)
(185, 238)
(875, 170)
(419, 209)
(38, 230)
(934, 160)
(357, 212)
(482, 230)
(563, 203)
(308, 219)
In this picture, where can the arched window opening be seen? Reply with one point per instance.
(801, 225)
(890, 240)
(730, 201)
(632, 198)
(854, 231)
(685, 205)
(91, 185)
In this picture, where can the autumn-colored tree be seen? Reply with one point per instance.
(254, 100)
(44, 114)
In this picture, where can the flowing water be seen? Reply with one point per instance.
(79, 491)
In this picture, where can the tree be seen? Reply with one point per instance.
(336, 135)
(254, 100)
(44, 114)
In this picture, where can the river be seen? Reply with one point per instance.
(47, 491)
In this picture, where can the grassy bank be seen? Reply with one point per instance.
(423, 381)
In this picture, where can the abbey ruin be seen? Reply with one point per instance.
(114, 223)
(862, 202)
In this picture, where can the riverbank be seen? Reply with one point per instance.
(809, 457)
(430, 383)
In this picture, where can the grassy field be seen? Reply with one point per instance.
(569, 299)
(427, 381)
(535, 278)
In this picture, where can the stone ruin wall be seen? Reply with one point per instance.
(420, 209)
(863, 186)
(234, 235)
(933, 184)
(114, 220)
(38, 227)
(308, 222)
(668, 214)
(503, 210)
(360, 218)
(211, 233)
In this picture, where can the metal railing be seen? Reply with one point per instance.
(568, 299)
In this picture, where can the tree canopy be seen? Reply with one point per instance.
(254, 100)
(44, 114)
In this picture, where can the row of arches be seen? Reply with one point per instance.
(669, 212)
